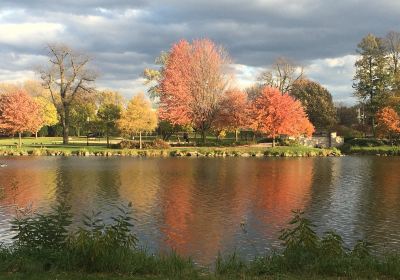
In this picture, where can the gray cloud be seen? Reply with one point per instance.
(125, 36)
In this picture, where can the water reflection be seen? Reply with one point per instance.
(197, 206)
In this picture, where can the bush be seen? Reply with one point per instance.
(130, 144)
(288, 142)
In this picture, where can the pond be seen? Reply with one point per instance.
(200, 207)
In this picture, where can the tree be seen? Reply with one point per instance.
(138, 117)
(18, 113)
(282, 75)
(348, 116)
(66, 76)
(47, 111)
(274, 114)
(194, 81)
(82, 112)
(388, 122)
(372, 77)
(232, 114)
(153, 77)
(317, 102)
(392, 44)
(109, 112)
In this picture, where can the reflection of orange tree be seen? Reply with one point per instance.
(23, 187)
(202, 217)
(387, 181)
(283, 185)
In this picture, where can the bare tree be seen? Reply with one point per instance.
(283, 73)
(66, 75)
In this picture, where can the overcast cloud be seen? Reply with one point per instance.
(125, 36)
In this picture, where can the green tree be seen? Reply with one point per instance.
(317, 102)
(109, 112)
(392, 44)
(372, 79)
(138, 117)
(82, 112)
(153, 77)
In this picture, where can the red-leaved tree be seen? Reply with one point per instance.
(19, 113)
(388, 122)
(195, 79)
(274, 114)
(232, 115)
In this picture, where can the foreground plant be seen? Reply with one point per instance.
(47, 242)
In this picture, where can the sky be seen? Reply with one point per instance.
(125, 36)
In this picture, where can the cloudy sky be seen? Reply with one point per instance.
(125, 36)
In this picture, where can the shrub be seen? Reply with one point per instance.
(130, 144)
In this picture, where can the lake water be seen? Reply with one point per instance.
(196, 206)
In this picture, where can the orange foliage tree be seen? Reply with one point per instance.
(193, 84)
(232, 114)
(274, 114)
(388, 122)
(19, 113)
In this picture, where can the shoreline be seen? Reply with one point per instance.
(210, 152)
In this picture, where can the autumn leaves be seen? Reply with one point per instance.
(196, 90)
(19, 113)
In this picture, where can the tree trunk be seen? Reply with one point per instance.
(273, 141)
(203, 136)
(236, 135)
(373, 127)
(36, 135)
(108, 138)
(140, 140)
(19, 140)
(65, 125)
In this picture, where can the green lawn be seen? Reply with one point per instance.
(78, 146)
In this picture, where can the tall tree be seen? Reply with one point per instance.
(392, 43)
(274, 114)
(194, 81)
(282, 74)
(372, 77)
(232, 115)
(66, 75)
(18, 113)
(138, 117)
(317, 102)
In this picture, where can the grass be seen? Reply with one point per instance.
(383, 150)
(53, 146)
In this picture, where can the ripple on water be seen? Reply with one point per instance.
(197, 206)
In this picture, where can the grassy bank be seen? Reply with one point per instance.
(46, 248)
(53, 147)
(377, 150)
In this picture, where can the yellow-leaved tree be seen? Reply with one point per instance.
(48, 112)
(138, 117)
